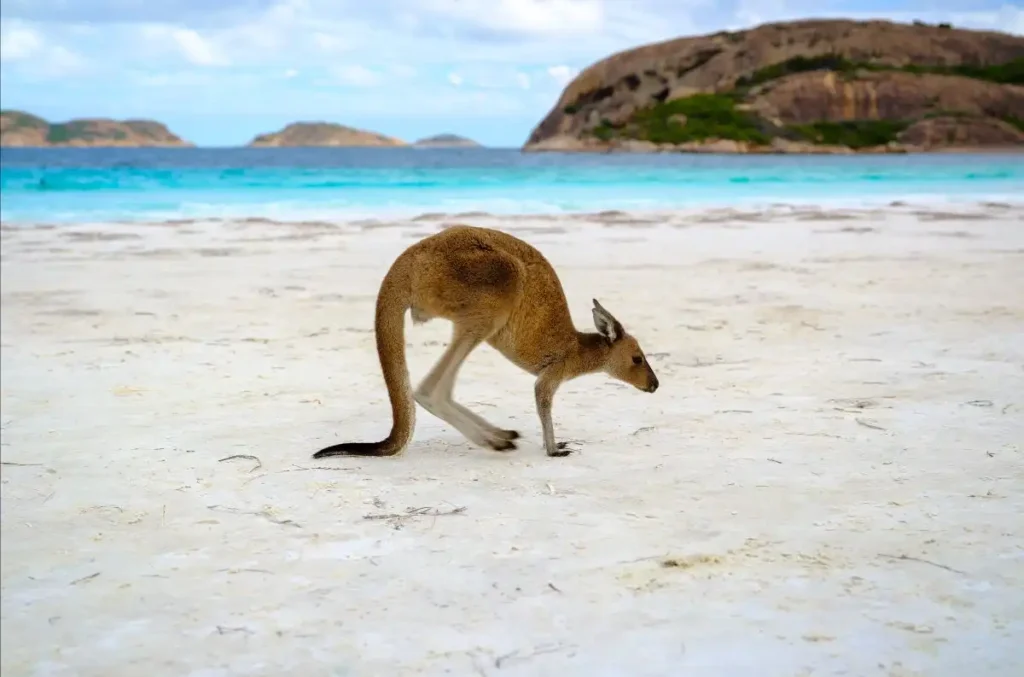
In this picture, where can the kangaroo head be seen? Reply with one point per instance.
(625, 361)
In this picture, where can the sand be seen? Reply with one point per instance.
(829, 480)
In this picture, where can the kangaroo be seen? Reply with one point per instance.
(496, 288)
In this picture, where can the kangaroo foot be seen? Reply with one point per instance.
(563, 449)
(498, 443)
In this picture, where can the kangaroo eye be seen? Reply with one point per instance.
(637, 359)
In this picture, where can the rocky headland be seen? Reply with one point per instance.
(323, 134)
(815, 86)
(18, 128)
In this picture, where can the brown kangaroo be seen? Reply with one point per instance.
(495, 288)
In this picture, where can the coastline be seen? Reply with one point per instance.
(769, 210)
(969, 207)
(139, 360)
(563, 144)
(576, 145)
(291, 185)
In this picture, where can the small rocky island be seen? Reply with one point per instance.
(18, 128)
(447, 141)
(815, 86)
(323, 134)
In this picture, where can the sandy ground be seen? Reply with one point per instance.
(830, 480)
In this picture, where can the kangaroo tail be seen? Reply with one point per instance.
(389, 327)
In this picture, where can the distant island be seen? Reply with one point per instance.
(447, 141)
(815, 86)
(18, 128)
(323, 134)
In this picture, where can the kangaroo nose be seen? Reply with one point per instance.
(654, 384)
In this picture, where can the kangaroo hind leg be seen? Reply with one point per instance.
(475, 286)
(435, 395)
(445, 389)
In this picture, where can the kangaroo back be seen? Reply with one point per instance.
(389, 328)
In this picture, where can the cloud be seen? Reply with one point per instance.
(59, 62)
(753, 12)
(17, 44)
(483, 76)
(416, 31)
(1007, 18)
(328, 43)
(196, 49)
(523, 16)
(355, 76)
(562, 74)
(183, 44)
(173, 79)
(979, 15)
(192, 12)
(403, 71)
(26, 48)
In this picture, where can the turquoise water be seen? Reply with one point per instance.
(89, 185)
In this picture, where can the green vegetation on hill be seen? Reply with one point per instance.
(20, 120)
(798, 64)
(693, 118)
(715, 116)
(1016, 121)
(851, 133)
(78, 130)
(62, 132)
(701, 117)
(1011, 72)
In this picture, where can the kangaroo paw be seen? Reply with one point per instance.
(563, 449)
(499, 443)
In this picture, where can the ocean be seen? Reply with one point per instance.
(76, 185)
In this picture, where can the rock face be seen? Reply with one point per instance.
(953, 132)
(447, 141)
(24, 129)
(806, 86)
(323, 134)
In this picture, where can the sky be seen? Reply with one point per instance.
(218, 72)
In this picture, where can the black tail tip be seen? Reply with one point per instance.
(351, 449)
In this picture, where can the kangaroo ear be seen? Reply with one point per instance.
(606, 324)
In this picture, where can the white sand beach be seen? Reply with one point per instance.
(829, 481)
